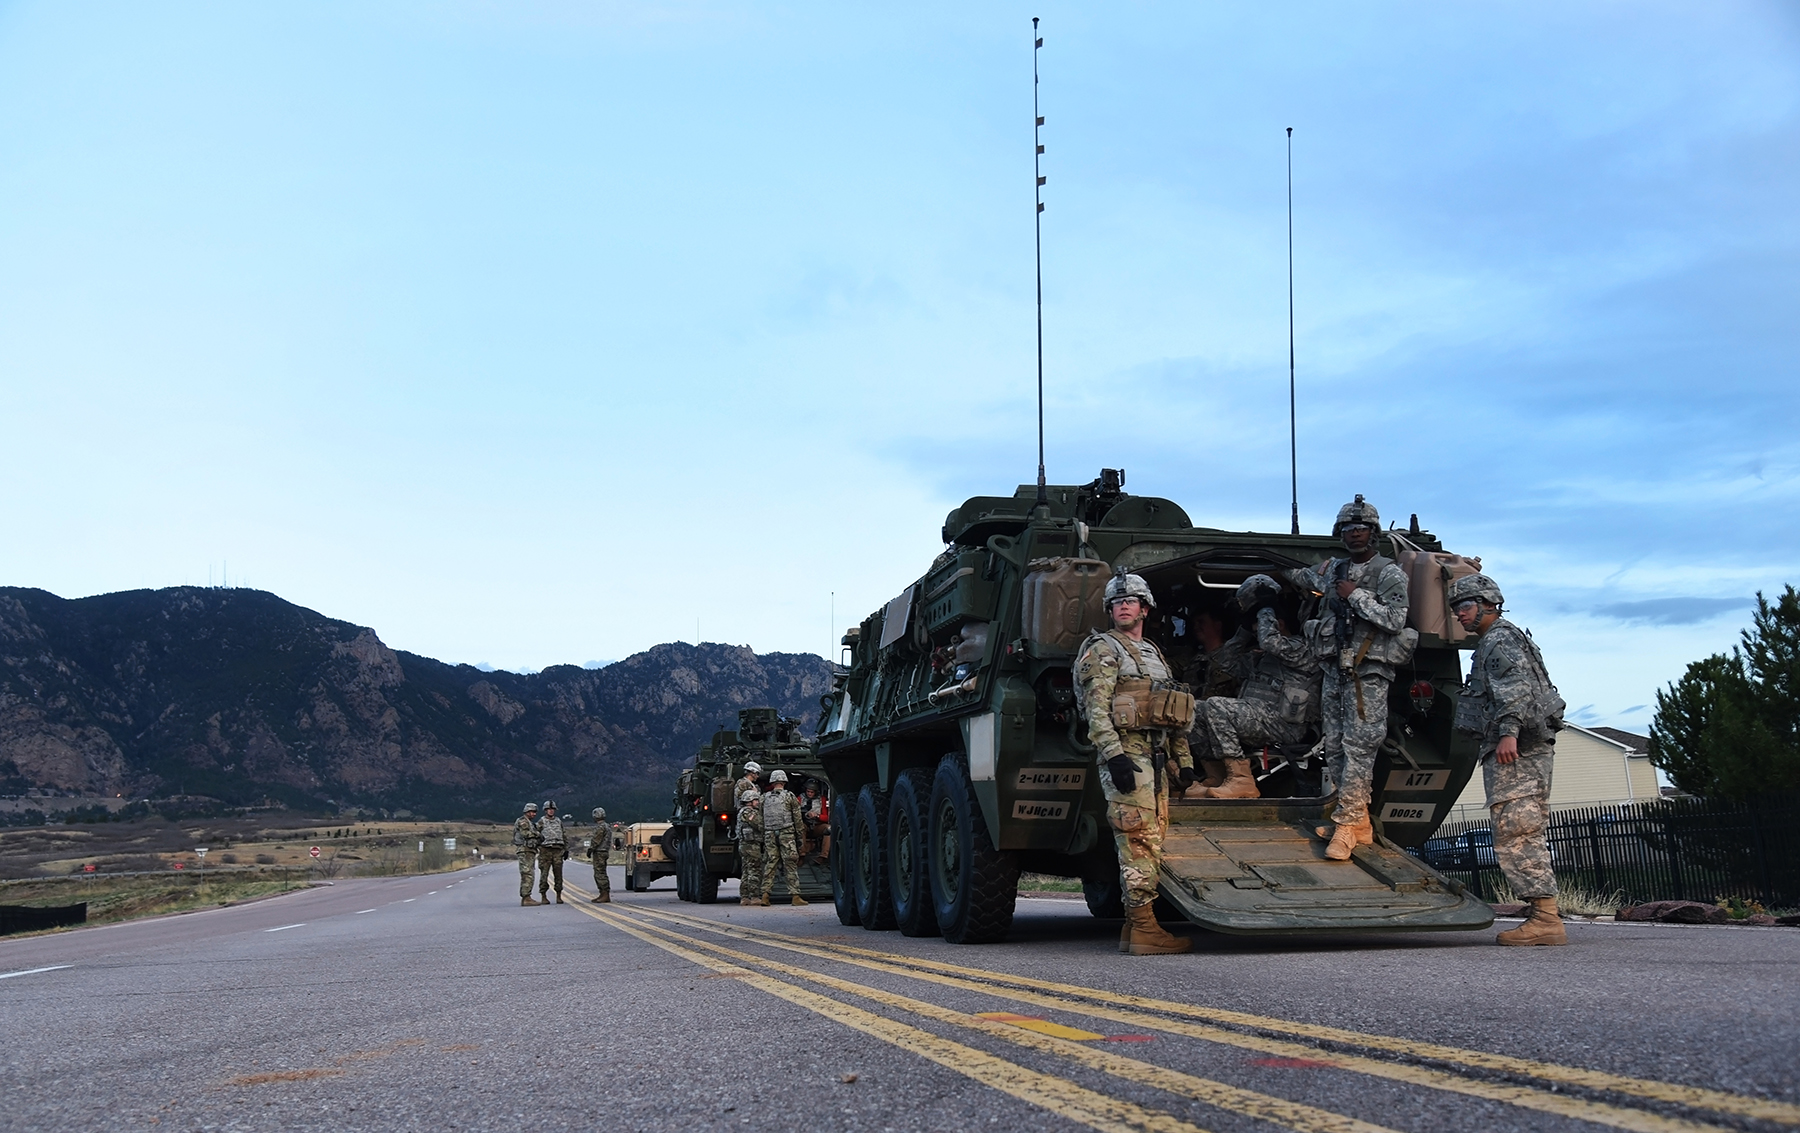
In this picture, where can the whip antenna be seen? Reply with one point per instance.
(1037, 191)
(1293, 444)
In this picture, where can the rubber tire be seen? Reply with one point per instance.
(630, 880)
(1105, 897)
(869, 868)
(909, 858)
(973, 885)
(842, 851)
(705, 883)
(684, 869)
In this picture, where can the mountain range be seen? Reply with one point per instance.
(239, 696)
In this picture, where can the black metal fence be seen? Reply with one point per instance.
(31, 918)
(1669, 850)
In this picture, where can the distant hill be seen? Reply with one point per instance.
(238, 695)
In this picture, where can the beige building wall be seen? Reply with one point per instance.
(1590, 770)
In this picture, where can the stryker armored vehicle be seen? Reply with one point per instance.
(959, 758)
(702, 836)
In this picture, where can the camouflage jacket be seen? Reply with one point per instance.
(1284, 674)
(1374, 615)
(1098, 669)
(781, 811)
(525, 833)
(599, 850)
(550, 832)
(748, 797)
(1223, 671)
(1508, 692)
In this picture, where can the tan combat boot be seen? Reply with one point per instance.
(799, 900)
(1238, 784)
(1215, 772)
(1149, 938)
(523, 901)
(763, 900)
(559, 897)
(603, 898)
(1347, 837)
(1125, 936)
(1543, 926)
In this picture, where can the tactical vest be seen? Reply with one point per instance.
(1476, 711)
(550, 832)
(1362, 641)
(776, 814)
(1148, 697)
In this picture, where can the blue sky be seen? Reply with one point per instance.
(535, 332)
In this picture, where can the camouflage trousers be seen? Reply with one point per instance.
(602, 882)
(1236, 726)
(783, 848)
(527, 862)
(1352, 738)
(1518, 796)
(1138, 838)
(550, 859)
(750, 851)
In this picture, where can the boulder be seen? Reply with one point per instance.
(1674, 912)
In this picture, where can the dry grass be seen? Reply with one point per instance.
(1571, 900)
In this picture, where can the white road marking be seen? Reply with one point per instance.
(409, 900)
(360, 912)
(33, 971)
(285, 927)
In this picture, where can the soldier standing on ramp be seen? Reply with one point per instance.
(600, 853)
(747, 797)
(1278, 699)
(553, 850)
(525, 845)
(1138, 721)
(782, 822)
(1511, 704)
(1358, 637)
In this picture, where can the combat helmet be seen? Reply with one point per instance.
(1257, 590)
(753, 768)
(778, 777)
(1124, 584)
(1475, 586)
(530, 806)
(599, 814)
(1356, 511)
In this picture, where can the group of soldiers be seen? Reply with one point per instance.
(1336, 669)
(771, 827)
(543, 843)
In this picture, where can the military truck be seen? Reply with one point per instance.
(702, 836)
(645, 857)
(959, 758)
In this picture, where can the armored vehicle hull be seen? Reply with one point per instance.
(959, 758)
(702, 839)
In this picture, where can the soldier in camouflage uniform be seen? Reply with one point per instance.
(746, 795)
(1218, 670)
(1138, 720)
(525, 845)
(1358, 637)
(783, 820)
(1511, 704)
(600, 854)
(553, 851)
(1277, 702)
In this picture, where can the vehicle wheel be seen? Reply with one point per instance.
(869, 867)
(705, 885)
(1105, 897)
(628, 876)
(973, 885)
(843, 852)
(909, 876)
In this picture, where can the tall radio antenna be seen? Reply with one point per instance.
(1293, 443)
(1037, 192)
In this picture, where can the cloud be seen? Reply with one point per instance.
(1672, 611)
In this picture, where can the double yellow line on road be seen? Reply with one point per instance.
(1152, 1014)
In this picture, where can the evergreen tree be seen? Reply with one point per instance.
(1730, 727)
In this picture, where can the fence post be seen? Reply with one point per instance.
(1758, 848)
(1594, 849)
(1672, 849)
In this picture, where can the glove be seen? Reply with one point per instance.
(565, 854)
(1123, 772)
(1184, 776)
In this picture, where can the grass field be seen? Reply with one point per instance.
(112, 899)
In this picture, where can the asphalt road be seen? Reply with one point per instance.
(437, 1003)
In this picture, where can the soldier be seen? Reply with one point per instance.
(525, 845)
(1359, 636)
(600, 853)
(1278, 699)
(1219, 670)
(1511, 704)
(1138, 720)
(782, 821)
(553, 851)
(747, 796)
(815, 809)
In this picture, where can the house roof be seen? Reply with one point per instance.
(1639, 745)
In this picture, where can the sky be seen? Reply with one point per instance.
(540, 332)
